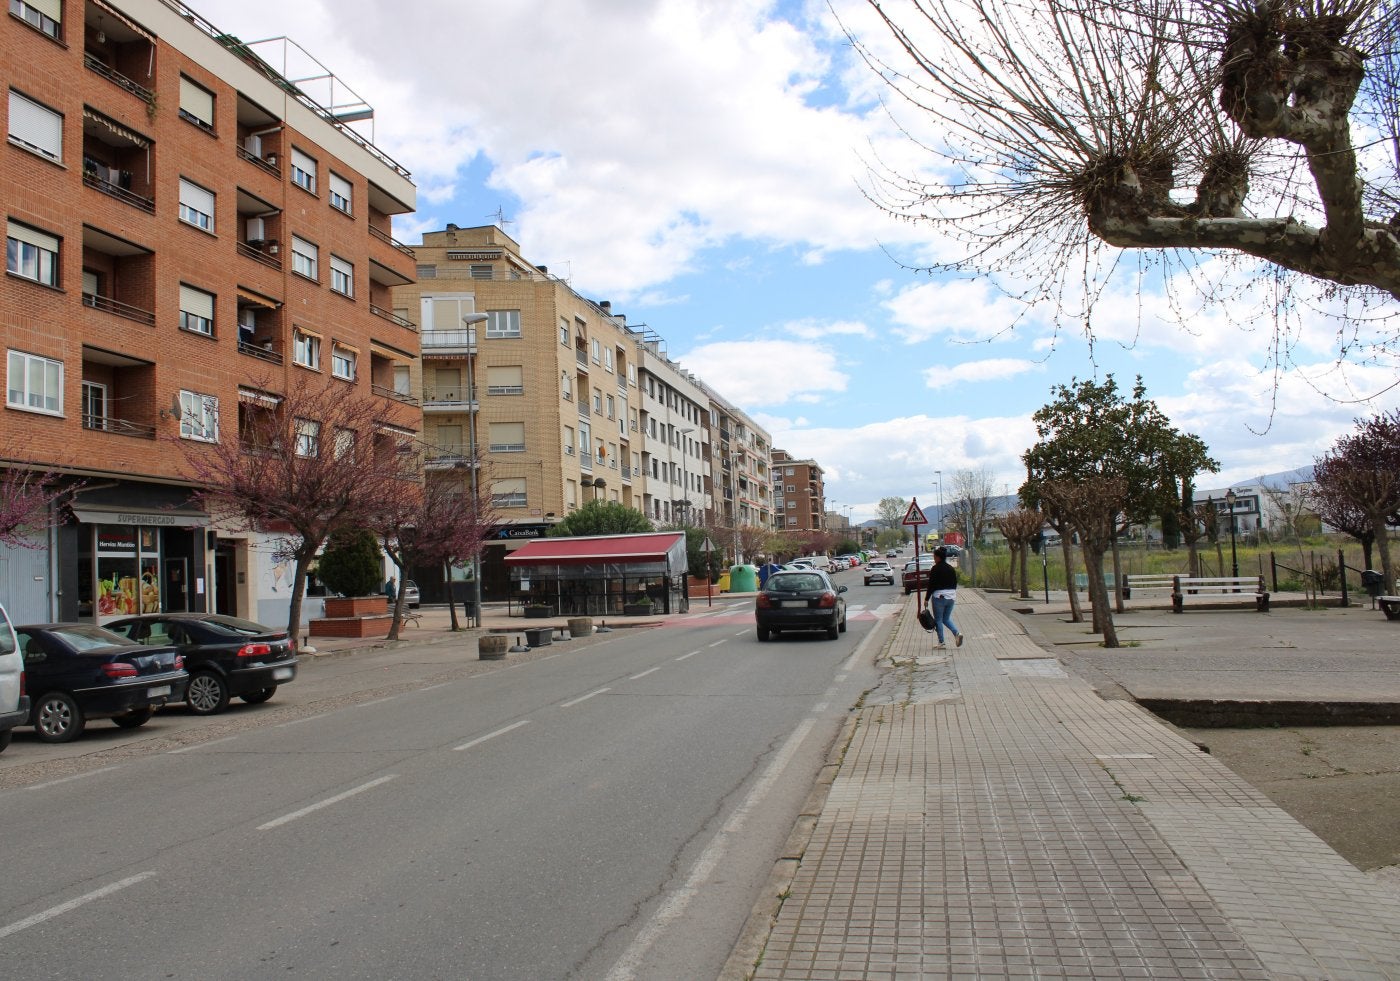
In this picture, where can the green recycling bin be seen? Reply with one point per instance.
(743, 579)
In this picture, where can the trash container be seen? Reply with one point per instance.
(743, 579)
(722, 584)
(1372, 581)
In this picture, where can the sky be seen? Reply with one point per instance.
(704, 166)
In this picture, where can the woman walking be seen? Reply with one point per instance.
(942, 593)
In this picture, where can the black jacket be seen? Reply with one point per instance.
(942, 576)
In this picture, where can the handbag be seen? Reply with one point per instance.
(925, 618)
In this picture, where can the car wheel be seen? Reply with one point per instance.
(134, 719)
(843, 625)
(57, 718)
(259, 696)
(762, 633)
(207, 694)
(833, 631)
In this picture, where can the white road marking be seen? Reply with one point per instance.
(491, 735)
(297, 722)
(582, 698)
(76, 776)
(311, 808)
(72, 904)
(718, 642)
(431, 687)
(212, 742)
(674, 906)
(684, 656)
(375, 701)
(645, 673)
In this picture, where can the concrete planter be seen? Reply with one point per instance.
(536, 612)
(492, 647)
(356, 606)
(636, 609)
(580, 626)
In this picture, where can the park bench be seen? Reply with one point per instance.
(1182, 586)
(1146, 581)
(1390, 606)
(411, 618)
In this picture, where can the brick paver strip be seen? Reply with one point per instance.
(1013, 824)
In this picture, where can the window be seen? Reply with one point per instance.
(593, 349)
(94, 405)
(444, 311)
(611, 406)
(306, 349)
(31, 253)
(343, 360)
(568, 440)
(340, 193)
(196, 104)
(563, 332)
(792, 488)
(35, 384)
(196, 205)
(509, 380)
(43, 15)
(481, 272)
(507, 437)
(597, 401)
(503, 323)
(36, 127)
(566, 385)
(304, 258)
(303, 171)
(509, 493)
(308, 438)
(196, 311)
(342, 276)
(199, 417)
(344, 443)
(608, 358)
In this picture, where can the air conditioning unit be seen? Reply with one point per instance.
(257, 230)
(253, 144)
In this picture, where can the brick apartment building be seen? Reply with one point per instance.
(189, 235)
(799, 497)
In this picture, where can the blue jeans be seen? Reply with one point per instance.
(943, 616)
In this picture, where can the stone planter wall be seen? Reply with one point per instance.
(351, 626)
(356, 606)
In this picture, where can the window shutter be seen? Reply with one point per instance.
(505, 377)
(36, 126)
(197, 101)
(31, 236)
(302, 162)
(197, 302)
(196, 197)
(507, 434)
(341, 266)
(340, 186)
(52, 9)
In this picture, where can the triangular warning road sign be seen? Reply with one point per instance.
(914, 516)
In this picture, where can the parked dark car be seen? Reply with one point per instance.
(800, 600)
(225, 656)
(915, 574)
(79, 671)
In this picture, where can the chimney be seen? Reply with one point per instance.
(607, 306)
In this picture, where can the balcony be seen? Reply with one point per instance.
(389, 240)
(109, 305)
(265, 253)
(262, 351)
(449, 342)
(98, 183)
(118, 79)
(117, 161)
(266, 164)
(392, 317)
(442, 398)
(119, 427)
(388, 392)
(447, 458)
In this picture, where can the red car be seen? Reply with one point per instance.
(915, 575)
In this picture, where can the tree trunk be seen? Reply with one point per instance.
(1076, 614)
(1383, 547)
(1117, 577)
(1025, 570)
(302, 564)
(1098, 590)
(1193, 560)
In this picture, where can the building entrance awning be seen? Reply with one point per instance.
(141, 516)
(602, 549)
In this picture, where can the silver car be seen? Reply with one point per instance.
(410, 594)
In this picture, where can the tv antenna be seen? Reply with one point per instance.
(499, 216)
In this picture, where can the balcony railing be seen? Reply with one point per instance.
(260, 255)
(387, 392)
(449, 400)
(118, 79)
(120, 427)
(109, 305)
(260, 163)
(449, 340)
(388, 239)
(263, 352)
(447, 459)
(392, 317)
(95, 182)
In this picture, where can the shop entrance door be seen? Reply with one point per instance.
(177, 586)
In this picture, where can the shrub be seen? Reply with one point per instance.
(351, 564)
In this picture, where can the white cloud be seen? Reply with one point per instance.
(813, 329)
(990, 369)
(756, 373)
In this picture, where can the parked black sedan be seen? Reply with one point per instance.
(225, 656)
(78, 671)
(800, 600)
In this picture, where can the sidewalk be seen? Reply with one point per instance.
(993, 816)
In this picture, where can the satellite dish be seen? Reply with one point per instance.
(175, 409)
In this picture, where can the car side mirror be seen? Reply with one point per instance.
(841, 589)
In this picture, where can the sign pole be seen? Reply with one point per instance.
(914, 516)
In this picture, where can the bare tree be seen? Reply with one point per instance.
(302, 465)
(1021, 527)
(1090, 507)
(1364, 467)
(27, 499)
(1263, 130)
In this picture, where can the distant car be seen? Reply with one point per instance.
(410, 594)
(954, 553)
(839, 564)
(879, 570)
(891, 553)
(915, 573)
(800, 601)
(79, 671)
(225, 656)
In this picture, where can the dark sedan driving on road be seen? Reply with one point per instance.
(79, 671)
(800, 600)
(225, 656)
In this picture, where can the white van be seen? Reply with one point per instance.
(14, 703)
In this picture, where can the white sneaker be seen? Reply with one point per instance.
(940, 647)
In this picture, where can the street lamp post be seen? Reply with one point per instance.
(939, 475)
(1234, 559)
(470, 321)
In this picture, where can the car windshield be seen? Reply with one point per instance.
(85, 637)
(796, 582)
(235, 626)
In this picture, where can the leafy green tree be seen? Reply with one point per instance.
(352, 564)
(889, 513)
(695, 557)
(602, 518)
(1103, 461)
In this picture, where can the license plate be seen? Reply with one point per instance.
(158, 692)
(281, 674)
(795, 603)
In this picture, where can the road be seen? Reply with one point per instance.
(609, 809)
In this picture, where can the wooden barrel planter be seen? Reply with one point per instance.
(492, 647)
(580, 626)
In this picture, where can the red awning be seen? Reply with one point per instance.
(594, 549)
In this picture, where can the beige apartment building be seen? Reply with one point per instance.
(740, 469)
(799, 497)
